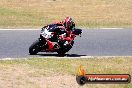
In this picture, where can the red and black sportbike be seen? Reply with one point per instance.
(53, 39)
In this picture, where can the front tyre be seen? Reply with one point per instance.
(34, 48)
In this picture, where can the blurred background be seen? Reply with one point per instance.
(86, 13)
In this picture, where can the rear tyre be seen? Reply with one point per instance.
(64, 49)
(69, 46)
(34, 48)
(61, 53)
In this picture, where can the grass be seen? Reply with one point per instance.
(55, 72)
(86, 13)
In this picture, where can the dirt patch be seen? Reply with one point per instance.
(60, 73)
(22, 76)
(57, 82)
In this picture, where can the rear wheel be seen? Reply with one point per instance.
(34, 48)
(64, 49)
(61, 52)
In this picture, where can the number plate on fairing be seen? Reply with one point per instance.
(45, 33)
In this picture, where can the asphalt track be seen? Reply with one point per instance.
(94, 42)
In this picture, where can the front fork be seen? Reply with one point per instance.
(46, 44)
(43, 42)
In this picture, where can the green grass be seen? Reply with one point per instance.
(86, 13)
(23, 70)
(102, 65)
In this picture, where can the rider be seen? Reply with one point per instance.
(68, 25)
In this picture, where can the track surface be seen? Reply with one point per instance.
(104, 42)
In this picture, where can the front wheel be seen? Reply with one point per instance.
(34, 48)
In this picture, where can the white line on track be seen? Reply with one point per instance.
(81, 57)
(17, 29)
(111, 28)
(40, 29)
(84, 57)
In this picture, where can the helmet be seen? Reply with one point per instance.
(68, 22)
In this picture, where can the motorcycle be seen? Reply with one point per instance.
(51, 40)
